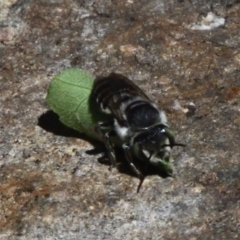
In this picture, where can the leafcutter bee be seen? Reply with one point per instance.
(139, 125)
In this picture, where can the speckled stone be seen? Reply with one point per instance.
(52, 188)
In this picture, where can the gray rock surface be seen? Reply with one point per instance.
(51, 188)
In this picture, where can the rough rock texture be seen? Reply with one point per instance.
(51, 188)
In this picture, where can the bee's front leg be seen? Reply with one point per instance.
(109, 146)
(106, 132)
(128, 155)
(103, 127)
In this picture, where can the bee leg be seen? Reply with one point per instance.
(106, 132)
(128, 155)
(103, 127)
(109, 146)
(140, 184)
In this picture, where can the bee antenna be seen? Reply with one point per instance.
(173, 145)
(179, 144)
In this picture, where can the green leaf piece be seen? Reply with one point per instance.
(69, 95)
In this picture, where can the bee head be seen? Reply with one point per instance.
(155, 143)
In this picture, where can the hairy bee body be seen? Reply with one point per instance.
(139, 124)
(131, 108)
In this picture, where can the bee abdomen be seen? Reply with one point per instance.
(115, 90)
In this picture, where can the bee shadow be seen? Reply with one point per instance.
(49, 121)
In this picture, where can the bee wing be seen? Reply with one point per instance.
(115, 90)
